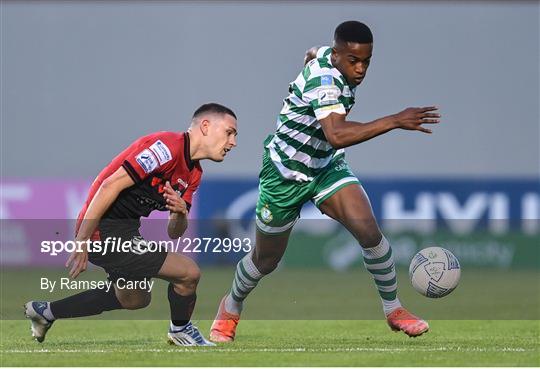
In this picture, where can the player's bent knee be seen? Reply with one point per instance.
(188, 281)
(193, 275)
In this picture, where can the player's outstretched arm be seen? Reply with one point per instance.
(341, 133)
(178, 212)
(105, 196)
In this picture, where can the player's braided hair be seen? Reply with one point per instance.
(353, 31)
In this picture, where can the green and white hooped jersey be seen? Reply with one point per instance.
(299, 148)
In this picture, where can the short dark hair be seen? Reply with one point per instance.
(353, 31)
(213, 108)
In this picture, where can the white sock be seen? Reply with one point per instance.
(233, 307)
(377, 251)
(389, 306)
(246, 278)
(380, 263)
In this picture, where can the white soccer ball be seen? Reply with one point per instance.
(434, 272)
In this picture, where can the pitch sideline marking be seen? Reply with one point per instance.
(261, 350)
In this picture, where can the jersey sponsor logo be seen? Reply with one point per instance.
(327, 80)
(153, 204)
(161, 151)
(147, 160)
(328, 96)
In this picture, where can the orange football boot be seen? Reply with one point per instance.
(401, 320)
(224, 327)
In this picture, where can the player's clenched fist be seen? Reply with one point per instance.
(413, 118)
(175, 203)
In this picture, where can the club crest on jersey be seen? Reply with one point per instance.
(266, 214)
(341, 165)
(182, 182)
(147, 160)
(161, 151)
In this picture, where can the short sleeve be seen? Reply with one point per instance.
(322, 94)
(147, 156)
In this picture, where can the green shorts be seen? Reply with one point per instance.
(280, 200)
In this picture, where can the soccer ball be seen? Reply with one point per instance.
(434, 272)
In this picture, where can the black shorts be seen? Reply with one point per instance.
(133, 265)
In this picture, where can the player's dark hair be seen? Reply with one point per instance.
(213, 108)
(353, 31)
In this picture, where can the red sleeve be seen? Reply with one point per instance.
(156, 153)
(192, 187)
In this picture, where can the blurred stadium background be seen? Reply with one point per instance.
(81, 80)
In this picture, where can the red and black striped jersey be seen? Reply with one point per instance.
(150, 161)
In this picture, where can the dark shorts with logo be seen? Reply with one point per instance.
(134, 263)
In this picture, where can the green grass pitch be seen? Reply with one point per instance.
(276, 343)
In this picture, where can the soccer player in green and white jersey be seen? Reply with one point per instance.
(304, 161)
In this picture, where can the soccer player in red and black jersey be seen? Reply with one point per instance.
(160, 171)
